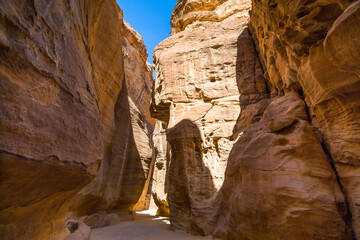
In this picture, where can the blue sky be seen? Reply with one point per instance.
(150, 18)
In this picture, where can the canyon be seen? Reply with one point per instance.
(249, 128)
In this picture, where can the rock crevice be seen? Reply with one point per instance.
(73, 77)
(293, 172)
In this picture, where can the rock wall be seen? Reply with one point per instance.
(138, 72)
(66, 118)
(293, 172)
(196, 80)
(124, 175)
(139, 79)
(313, 48)
(275, 102)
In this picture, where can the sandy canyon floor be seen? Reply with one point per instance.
(147, 226)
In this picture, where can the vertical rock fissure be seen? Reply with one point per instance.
(347, 217)
(345, 214)
(257, 55)
(343, 207)
(316, 59)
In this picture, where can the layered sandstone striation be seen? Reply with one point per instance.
(196, 81)
(257, 119)
(138, 72)
(313, 48)
(124, 176)
(293, 173)
(279, 182)
(67, 117)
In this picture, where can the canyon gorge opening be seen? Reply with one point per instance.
(248, 129)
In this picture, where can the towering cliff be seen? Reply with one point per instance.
(138, 72)
(294, 72)
(257, 109)
(196, 81)
(68, 117)
(125, 169)
(313, 48)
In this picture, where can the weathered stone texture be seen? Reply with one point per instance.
(279, 182)
(78, 230)
(55, 111)
(313, 48)
(294, 171)
(65, 118)
(191, 185)
(161, 168)
(138, 72)
(124, 177)
(196, 80)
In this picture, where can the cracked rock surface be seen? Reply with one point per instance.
(196, 81)
(293, 172)
(75, 137)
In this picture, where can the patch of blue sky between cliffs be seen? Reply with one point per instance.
(150, 18)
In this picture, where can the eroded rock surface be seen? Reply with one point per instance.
(55, 114)
(312, 48)
(196, 81)
(279, 182)
(138, 72)
(274, 101)
(124, 177)
(78, 230)
(66, 117)
(293, 172)
(190, 181)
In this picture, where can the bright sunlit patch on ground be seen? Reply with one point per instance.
(147, 226)
(151, 215)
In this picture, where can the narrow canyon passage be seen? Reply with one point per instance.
(245, 126)
(146, 227)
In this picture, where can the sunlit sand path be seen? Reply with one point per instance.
(147, 227)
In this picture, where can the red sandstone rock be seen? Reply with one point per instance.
(196, 80)
(66, 118)
(279, 183)
(122, 184)
(312, 47)
(293, 173)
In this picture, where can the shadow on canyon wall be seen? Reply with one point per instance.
(258, 169)
(127, 186)
(250, 81)
(122, 175)
(190, 181)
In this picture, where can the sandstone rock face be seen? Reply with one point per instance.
(125, 173)
(196, 81)
(138, 72)
(313, 48)
(279, 182)
(294, 171)
(191, 184)
(66, 118)
(55, 114)
(139, 79)
(161, 169)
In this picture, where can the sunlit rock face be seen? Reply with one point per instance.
(138, 72)
(293, 172)
(55, 112)
(123, 182)
(279, 183)
(66, 118)
(139, 82)
(196, 81)
(312, 47)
